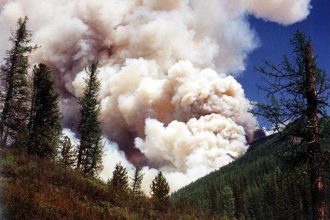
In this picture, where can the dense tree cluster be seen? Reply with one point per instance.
(256, 186)
(30, 116)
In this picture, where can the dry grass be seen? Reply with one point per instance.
(37, 188)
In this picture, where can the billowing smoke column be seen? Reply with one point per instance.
(169, 99)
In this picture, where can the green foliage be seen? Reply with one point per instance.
(286, 84)
(15, 88)
(91, 147)
(298, 94)
(227, 202)
(137, 181)
(119, 179)
(67, 153)
(160, 191)
(44, 123)
(261, 187)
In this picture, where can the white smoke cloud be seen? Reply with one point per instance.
(169, 99)
(285, 12)
(209, 141)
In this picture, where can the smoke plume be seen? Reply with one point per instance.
(168, 94)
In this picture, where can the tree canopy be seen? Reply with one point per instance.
(15, 88)
(44, 124)
(91, 147)
(298, 94)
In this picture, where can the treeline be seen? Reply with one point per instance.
(121, 188)
(30, 114)
(256, 186)
(31, 124)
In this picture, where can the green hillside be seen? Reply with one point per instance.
(255, 186)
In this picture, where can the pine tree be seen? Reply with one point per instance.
(299, 93)
(44, 123)
(119, 180)
(15, 88)
(227, 202)
(160, 192)
(137, 181)
(213, 196)
(90, 149)
(68, 153)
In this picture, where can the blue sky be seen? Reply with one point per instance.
(274, 43)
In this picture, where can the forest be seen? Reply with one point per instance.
(259, 185)
(44, 175)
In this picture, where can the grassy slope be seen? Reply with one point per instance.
(41, 189)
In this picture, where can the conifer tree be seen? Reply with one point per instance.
(299, 93)
(137, 181)
(160, 192)
(91, 147)
(68, 153)
(44, 123)
(227, 202)
(119, 180)
(15, 88)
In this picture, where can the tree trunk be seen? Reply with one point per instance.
(319, 206)
(80, 152)
(6, 108)
(316, 159)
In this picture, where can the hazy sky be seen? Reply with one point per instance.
(274, 43)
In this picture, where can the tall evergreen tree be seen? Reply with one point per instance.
(137, 181)
(44, 123)
(15, 88)
(67, 153)
(119, 180)
(91, 147)
(160, 191)
(299, 93)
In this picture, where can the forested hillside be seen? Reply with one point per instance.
(259, 185)
(108, 107)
